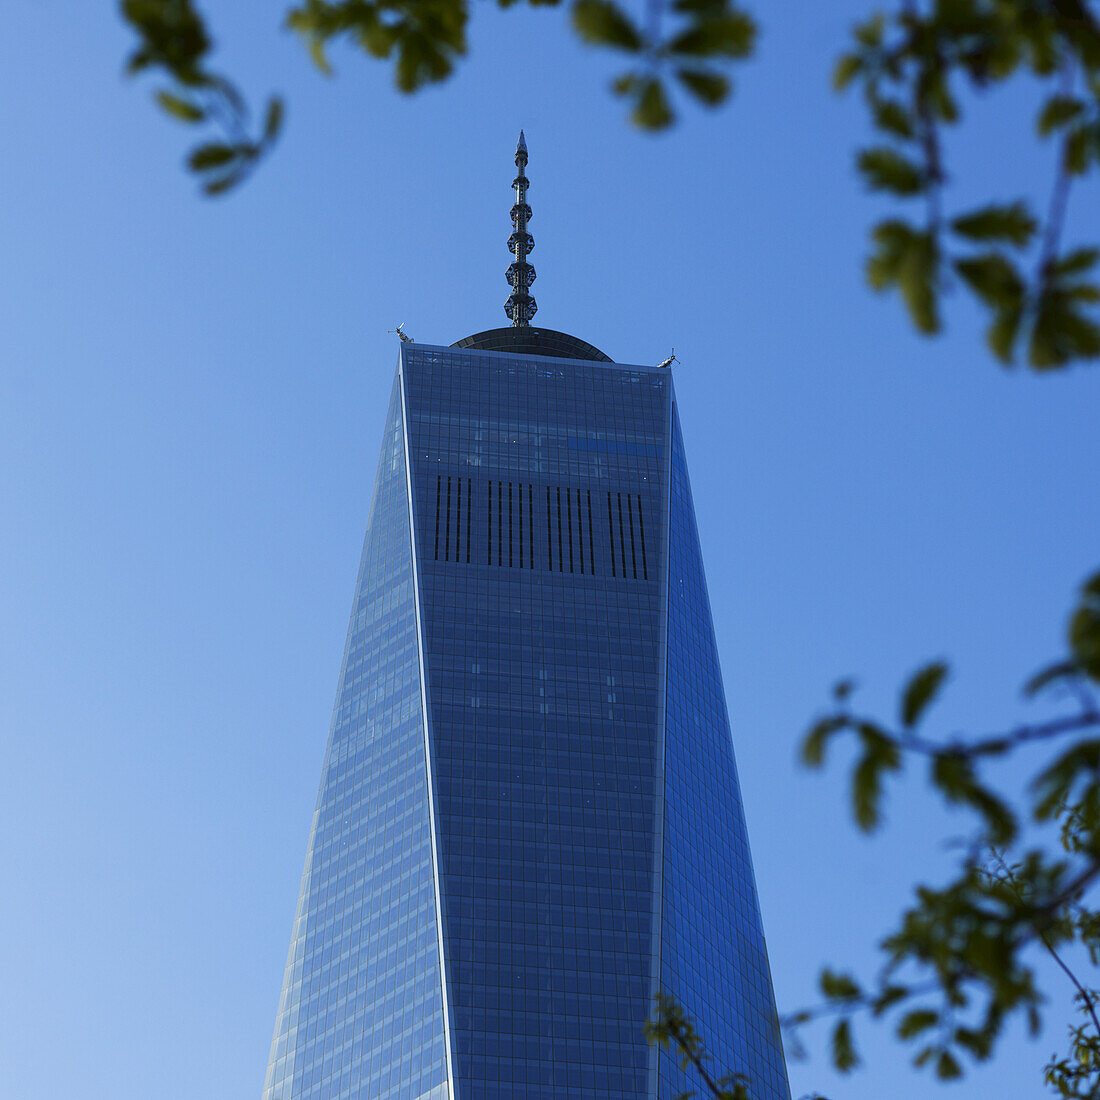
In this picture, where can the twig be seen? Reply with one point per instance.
(697, 1062)
(1059, 197)
(1086, 996)
(997, 743)
(850, 1005)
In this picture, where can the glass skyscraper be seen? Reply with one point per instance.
(529, 819)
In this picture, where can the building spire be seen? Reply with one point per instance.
(520, 306)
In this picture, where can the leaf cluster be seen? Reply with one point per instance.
(912, 67)
(670, 1028)
(1075, 1075)
(958, 966)
(425, 37)
(173, 39)
(706, 36)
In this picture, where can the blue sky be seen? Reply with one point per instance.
(191, 401)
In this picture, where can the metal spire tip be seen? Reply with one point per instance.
(520, 306)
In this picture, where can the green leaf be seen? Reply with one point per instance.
(920, 691)
(907, 258)
(1077, 149)
(848, 67)
(421, 59)
(730, 34)
(180, 108)
(869, 33)
(978, 1042)
(924, 1057)
(1012, 223)
(943, 103)
(889, 996)
(378, 38)
(947, 1066)
(1052, 674)
(1061, 333)
(916, 1021)
(318, 56)
(699, 7)
(892, 117)
(212, 155)
(1002, 333)
(604, 23)
(839, 987)
(1076, 262)
(813, 747)
(885, 169)
(953, 773)
(916, 281)
(223, 184)
(993, 278)
(1057, 111)
(866, 791)
(1084, 629)
(894, 240)
(844, 1052)
(173, 36)
(1083, 292)
(652, 111)
(1053, 785)
(273, 122)
(880, 754)
(709, 88)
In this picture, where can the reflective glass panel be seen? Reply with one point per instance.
(361, 1010)
(539, 491)
(713, 958)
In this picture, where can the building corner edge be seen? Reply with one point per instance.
(426, 719)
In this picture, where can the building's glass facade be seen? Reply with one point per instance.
(361, 1011)
(712, 942)
(530, 772)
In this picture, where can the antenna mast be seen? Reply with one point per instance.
(520, 307)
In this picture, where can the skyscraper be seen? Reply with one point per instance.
(529, 819)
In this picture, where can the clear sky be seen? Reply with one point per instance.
(191, 402)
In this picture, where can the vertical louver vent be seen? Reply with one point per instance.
(569, 547)
(453, 513)
(510, 524)
(626, 535)
(524, 526)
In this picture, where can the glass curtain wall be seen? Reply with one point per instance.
(538, 487)
(569, 740)
(361, 1011)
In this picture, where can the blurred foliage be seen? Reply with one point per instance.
(915, 65)
(423, 36)
(174, 41)
(961, 964)
(671, 1029)
(427, 36)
